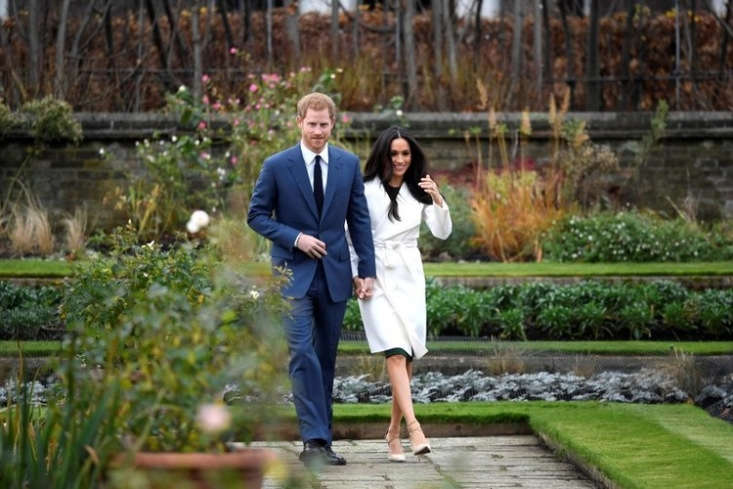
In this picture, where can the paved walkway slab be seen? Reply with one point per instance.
(493, 462)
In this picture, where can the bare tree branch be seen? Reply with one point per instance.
(59, 89)
(410, 54)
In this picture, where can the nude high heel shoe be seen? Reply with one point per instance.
(414, 431)
(395, 447)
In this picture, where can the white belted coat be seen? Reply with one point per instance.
(394, 317)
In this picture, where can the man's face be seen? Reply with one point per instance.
(315, 128)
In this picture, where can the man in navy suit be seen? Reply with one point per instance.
(300, 202)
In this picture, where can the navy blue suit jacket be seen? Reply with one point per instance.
(283, 205)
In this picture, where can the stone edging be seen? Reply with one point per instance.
(590, 471)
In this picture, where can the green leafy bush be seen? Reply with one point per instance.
(632, 237)
(458, 246)
(588, 310)
(176, 329)
(28, 313)
(8, 120)
(215, 165)
(52, 119)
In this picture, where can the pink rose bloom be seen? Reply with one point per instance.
(236, 122)
(205, 99)
(253, 88)
(345, 119)
(232, 50)
(233, 160)
(201, 126)
(205, 79)
(216, 106)
(271, 78)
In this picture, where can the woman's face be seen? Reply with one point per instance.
(399, 152)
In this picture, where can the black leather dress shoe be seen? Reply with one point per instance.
(317, 453)
(333, 458)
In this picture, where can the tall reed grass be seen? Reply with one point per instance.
(76, 231)
(30, 230)
(514, 204)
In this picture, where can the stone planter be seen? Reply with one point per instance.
(242, 469)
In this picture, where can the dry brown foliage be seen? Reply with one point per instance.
(30, 231)
(76, 228)
(372, 73)
(511, 210)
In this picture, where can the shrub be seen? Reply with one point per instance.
(458, 246)
(630, 236)
(588, 310)
(53, 120)
(177, 330)
(191, 171)
(28, 313)
(8, 120)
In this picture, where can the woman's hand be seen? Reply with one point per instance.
(427, 184)
(363, 287)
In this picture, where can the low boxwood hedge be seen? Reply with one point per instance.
(29, 313)
(588, 310)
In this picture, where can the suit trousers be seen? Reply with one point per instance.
(313, 330)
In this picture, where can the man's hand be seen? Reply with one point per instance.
(364, 287)
(313, 247)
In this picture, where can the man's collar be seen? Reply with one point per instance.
(308, 155)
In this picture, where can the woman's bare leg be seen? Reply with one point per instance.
(399, 371)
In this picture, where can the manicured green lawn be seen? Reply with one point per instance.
(45, 348)
(636, 446)
(579, 347)
(51, 268)
(34, 268)
(575, 269)
(30, 348)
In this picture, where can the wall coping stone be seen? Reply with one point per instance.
(443, 125)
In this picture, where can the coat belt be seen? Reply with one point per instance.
(392, 247)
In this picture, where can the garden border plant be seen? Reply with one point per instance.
(586, 310)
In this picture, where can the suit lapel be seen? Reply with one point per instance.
(300, 175)
(334, 177)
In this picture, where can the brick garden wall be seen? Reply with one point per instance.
(694, 160)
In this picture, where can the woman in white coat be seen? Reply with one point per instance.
(400, 195)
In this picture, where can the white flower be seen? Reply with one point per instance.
(198, 220)
(254, 293)
(101, 151)
(182, 88)
(399, 113)
(174, 138)
(213, 418)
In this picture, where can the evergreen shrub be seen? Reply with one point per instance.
(588, 310)
(632, 237)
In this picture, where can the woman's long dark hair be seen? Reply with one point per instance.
(379, 165)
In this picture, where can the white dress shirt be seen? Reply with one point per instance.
(310, 162)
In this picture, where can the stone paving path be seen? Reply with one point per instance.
(493, 462)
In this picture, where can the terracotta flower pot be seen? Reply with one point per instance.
(248, 466)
